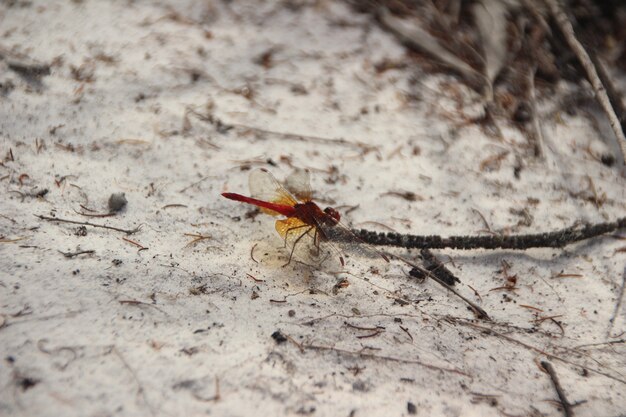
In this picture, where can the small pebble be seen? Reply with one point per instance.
(279, 337)
(117, 202)
(607, 160)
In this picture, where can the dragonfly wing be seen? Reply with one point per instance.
(291, 228)
(339, 235)
(299, 184)
(263, 186)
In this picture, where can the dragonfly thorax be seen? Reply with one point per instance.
(311, 213)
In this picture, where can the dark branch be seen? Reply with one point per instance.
(567, 407)
(434, 265)
(618, 304)
(418, 272)
(102, 226)
(80, 252)
(556, 239)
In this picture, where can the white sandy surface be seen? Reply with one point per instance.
(181, 328)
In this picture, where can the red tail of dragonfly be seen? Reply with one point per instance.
(304, 220)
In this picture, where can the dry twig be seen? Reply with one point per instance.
(618, 304)
(538, 132)
(492, 332)
(220, 125)
(102, 226)
(478, 310)
(556, 239)
(434, 265)
(197, 238)
(364, 354)
(566, 28)
(77, 253)
(418, 38)
(140, 389)
(567, 407)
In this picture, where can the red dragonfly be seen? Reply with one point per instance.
(303, 218)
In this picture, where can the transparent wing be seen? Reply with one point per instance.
(323, 241)
(291, 228)
(263, 186)
(348, 243)
(299, 184)
(302, 241)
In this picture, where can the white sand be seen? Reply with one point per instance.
(75, 342)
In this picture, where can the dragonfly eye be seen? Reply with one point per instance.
(332, 213)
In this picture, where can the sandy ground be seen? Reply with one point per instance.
(172, 103)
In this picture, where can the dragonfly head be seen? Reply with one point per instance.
(333, 213)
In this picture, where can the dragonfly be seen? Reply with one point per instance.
(303, 219)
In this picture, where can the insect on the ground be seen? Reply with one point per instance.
(304, 219)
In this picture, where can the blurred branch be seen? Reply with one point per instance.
(417, 38)
(566, 28)
(491, 20)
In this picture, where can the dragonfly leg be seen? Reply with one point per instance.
(291, 229)
(316, 241)
(293, 248)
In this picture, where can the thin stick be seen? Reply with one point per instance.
(95, 214)
(566, 28)
(363, 354)
(281, 135)
(478, 310)
(140, 389)
(490, 331)
(197, 238)
(8, 218)
(567, 407)
(611, 89)
(102, 226)
(80, 252)
(132, 242)
(3, 240)
(305, 138)
(434, 265)
(618, 304)
(556, 239)
(420, 40)
(140, 303)
(612, 342)
(538, 142)
(194, 184)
